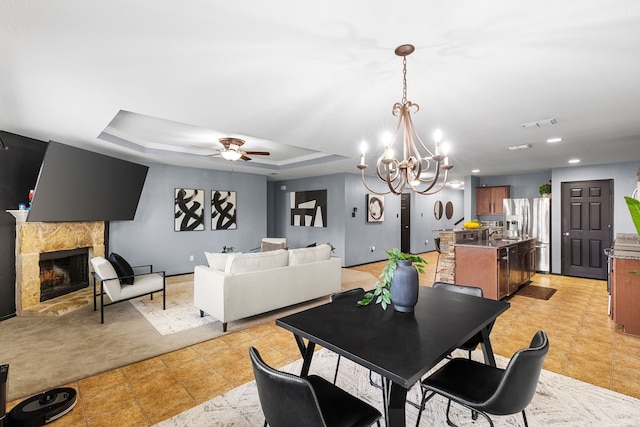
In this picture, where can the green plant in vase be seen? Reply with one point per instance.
(382, 291)
(545, 189)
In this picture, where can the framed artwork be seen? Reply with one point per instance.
(375, 208)
(223, 210)
(449, 210)
(188, 209)
(437, 209)
(309, 208)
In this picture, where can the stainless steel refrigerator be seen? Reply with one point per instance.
(531, 217)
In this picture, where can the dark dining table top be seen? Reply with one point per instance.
(400, 346)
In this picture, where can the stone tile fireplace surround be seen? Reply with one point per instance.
(34, 238)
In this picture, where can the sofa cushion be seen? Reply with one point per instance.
(245, 263)
(217, 260)
(307, 255)
(122, 267)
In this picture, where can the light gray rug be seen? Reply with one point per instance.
(559, 401)
(180, 313)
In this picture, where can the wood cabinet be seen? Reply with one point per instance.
(625, 294)
(500, 272)
(489, 200)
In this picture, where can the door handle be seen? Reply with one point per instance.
(566, 233)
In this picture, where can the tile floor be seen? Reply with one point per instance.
(585, 344)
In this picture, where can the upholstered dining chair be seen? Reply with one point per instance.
(119, 282)
(475, 291)
(355, 293)
(487, 389)
(288, 400)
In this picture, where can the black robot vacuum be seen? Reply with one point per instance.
(37, 410)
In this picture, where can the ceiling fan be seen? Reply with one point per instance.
(232, 151)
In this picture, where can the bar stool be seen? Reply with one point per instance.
(436, 240)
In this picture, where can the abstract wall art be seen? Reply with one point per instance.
(188, 209)
(309, 208)
(375, 208)
(223, 210)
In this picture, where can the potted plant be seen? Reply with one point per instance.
(382, 294)
(545, 189)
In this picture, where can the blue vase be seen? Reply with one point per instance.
(404, 287)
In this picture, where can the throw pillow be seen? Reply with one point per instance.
(122, 267)
(216, 260)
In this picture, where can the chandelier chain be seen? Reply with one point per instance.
(404, 80)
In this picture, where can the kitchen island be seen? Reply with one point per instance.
(499, 266)
(625, 282)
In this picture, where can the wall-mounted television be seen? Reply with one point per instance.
(76, 185)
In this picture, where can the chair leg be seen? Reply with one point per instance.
(101, 306)
(335, 376)
(524, 416)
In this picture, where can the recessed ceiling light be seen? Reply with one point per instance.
(574, 161)
(519, 147)
(475, 171)
(552, 140)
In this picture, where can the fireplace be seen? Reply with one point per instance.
(62, 272)
(35, 242)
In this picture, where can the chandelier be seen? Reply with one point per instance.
(419, 169)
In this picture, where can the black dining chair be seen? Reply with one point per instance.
(351, 293)
(475, 291)
(288, 400)
(487, 389)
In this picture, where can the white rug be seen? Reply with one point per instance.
(180, 314)
(559, 401)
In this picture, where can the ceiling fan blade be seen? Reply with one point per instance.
(258, 153)
(245, 158)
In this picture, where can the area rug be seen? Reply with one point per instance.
(180, 314)
(537, 292)
(559, 401)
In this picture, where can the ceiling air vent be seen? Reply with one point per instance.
(519, 147)
(540, 123)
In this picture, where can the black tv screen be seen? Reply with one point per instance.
(79, 185)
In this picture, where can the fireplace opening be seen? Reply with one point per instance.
(62, 272)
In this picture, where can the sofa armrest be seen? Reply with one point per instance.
(209, 290)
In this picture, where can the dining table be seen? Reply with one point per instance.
(401, 347)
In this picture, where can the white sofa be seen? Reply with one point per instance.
(235, 286)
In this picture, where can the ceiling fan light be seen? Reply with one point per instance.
(231, 155)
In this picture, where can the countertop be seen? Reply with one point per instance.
(495, 243)
(625, 246)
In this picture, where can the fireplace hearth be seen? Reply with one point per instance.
(62, 272)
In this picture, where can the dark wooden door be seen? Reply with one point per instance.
(405, 223)
(587, 214)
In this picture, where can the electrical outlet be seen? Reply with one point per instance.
(190, 257)
(373, 248)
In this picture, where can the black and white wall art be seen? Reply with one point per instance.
(309, 208)
(223, 210)
(188, 209)
(375, 208)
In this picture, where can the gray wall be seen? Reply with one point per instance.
(425, 226)
(263, 210)
(624, 177)
(150, 238)
(298, 237)
(352, 236)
